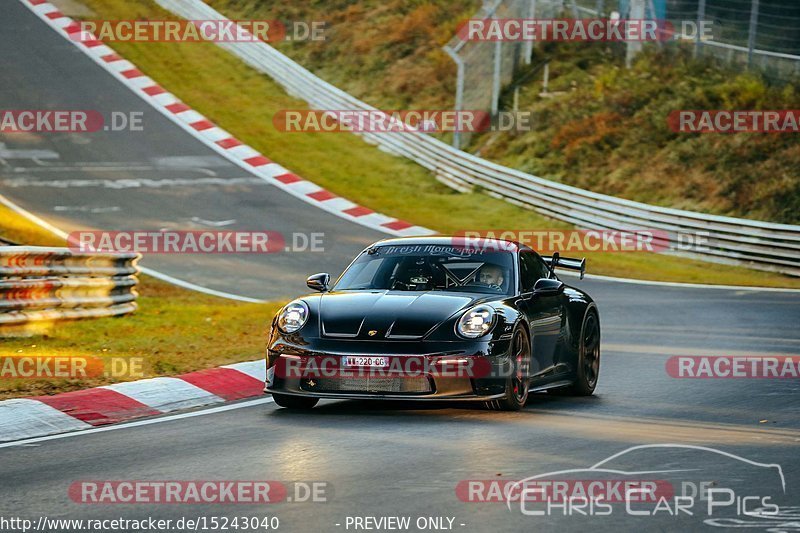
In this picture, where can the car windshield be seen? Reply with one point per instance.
(428, 267)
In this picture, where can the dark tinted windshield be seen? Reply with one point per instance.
(430, 268)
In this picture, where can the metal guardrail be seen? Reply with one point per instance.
(757, 244)
(46, 284)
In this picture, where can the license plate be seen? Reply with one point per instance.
(366, 361)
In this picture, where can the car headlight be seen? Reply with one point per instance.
(293, 316)
(476, 322)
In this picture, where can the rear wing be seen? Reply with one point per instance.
(566, 262)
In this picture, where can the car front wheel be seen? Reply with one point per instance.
(517, 382)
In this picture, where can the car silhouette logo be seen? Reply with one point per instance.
(372, 332)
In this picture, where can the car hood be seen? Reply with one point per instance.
(388, 314)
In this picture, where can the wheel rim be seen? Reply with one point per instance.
(521, 352)
(591, 350)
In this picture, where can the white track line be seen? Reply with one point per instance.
(148, 422)
(679, 284)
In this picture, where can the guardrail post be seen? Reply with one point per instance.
(498, 61)
(701, 17)
(751, 36)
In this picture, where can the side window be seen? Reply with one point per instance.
(529, 270)
(532, 268)
(544, 272)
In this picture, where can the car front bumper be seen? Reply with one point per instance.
(440, 377)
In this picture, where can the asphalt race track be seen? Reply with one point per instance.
(378, 459)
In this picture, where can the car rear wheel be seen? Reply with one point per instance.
(517, 382)
(588, 367)
(294, 402)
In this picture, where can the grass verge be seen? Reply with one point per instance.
(242, 101)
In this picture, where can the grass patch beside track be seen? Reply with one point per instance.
(242, 101)
(174, 330)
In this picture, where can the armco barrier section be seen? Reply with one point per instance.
(762, 245)
(38, 283)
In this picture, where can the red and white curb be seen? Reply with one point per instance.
(213, 136)
(74, 411)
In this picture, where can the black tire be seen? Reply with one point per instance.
(588, 367)
(294, 402)
(517, 384)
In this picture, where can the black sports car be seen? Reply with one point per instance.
(437, 318)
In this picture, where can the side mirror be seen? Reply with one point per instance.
(319, 282)
(548, 287)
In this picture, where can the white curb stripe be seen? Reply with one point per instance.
(24, 418)
(165, 394)
(254, 369)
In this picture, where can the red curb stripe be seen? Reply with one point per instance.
(72, 28)
(132, 73)
(322, 195)
(111, 57)
(257, 161)
(358, 211)
(288, 178)
(178, 107)
(201, 125)
(230, 142)
(397, 225)
(154, 90)
(226, 383)
(98, 406)
(92, 43)
(37, 2)
(54, 15)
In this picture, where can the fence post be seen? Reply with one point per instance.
(528, 53)
(599, 8)
(751, 37)
(546, 77)
(498, 60)
(637, 10)
(701, 16)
